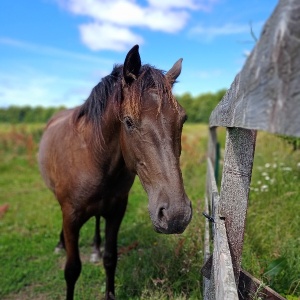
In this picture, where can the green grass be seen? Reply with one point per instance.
(272, 241)
(159, 266)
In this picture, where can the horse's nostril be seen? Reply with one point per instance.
(162, 213)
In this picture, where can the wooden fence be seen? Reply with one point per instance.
(265, 95)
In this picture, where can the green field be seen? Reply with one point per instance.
(151, 266)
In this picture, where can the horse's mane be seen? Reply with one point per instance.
(94, 106)
(110, 89)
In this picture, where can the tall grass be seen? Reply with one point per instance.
(272, 240)
(151, 265)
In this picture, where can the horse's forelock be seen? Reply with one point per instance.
(150, 78)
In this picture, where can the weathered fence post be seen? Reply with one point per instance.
(236, 177)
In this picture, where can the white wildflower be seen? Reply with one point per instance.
(287, 169)
(264, 188)
(267, 165)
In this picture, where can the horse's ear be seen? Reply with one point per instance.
(175, 71)
(132, 65)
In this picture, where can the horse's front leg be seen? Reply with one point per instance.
(96, 254)
(110, 256)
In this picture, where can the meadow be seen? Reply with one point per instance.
(151, 265)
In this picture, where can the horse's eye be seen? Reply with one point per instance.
(128, 123)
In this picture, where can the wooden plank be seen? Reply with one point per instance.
(212, 144)
(206, 268)
(211, 186)
(206, 281)
(236, 177)
(210, 198)
(265, 95)
(251, 288)
(223, 284)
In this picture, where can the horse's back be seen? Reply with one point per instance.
(60, 116)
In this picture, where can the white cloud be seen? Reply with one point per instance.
(98, 37)
(210, 33)
(204, 5)
(128, 13)
(120, 16)
(37, 88)
(52, 51)
(168, 4)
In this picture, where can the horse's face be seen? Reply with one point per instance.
(151, 146)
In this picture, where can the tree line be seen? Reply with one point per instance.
(27, 114)
(198, 109)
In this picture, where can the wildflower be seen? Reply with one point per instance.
(259, 182)
(275, 166)
(267, 165)
(267, 178)
(264, 188)
(264, 174)
(288, 169)
(298, 164)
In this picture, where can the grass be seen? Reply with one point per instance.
(272, 241)
(157, 266)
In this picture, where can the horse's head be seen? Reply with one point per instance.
(152, 123)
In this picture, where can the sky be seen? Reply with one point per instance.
(53, 52)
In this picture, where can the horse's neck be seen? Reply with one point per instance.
(107, 142)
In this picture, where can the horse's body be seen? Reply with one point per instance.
(131, 124)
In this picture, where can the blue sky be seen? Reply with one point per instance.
(53, 52)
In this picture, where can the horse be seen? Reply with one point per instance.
(131, 124)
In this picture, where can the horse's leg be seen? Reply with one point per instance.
(71, 230)
(110, 255)
(61, 243)
(96, 254)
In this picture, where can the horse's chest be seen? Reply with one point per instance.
(102, 195)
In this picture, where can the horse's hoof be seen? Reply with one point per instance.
(95, 257)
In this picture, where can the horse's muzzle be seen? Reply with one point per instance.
(171, 219)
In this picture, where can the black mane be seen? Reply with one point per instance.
(94, 106)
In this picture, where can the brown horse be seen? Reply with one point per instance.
(89, 156)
